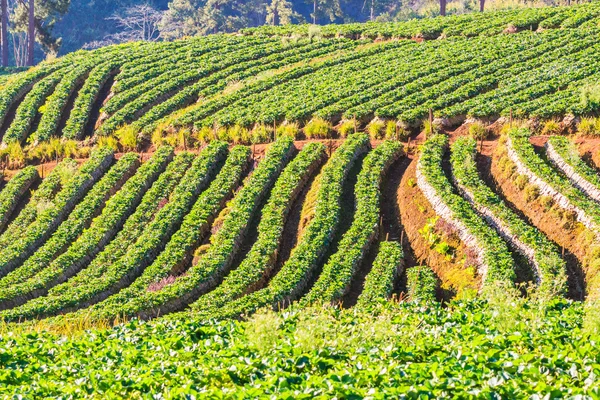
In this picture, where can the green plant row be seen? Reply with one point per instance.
(473, 83)
(295, 274)
(421, 283)
(20, 84)
(56, 103)
(263, 255)
(236, 70)
(39, 200)
(78, 291)
(297, 99)
(564, 155)
(180, 74)
(153, 53)
(544, 256)
(225, 244)
(13, 193)
(14, 287)
(123, 107)
(354, 82)
(334, 281)
(178, 252)
(86, 97)
(28, 109)
(522, 86)
(167, 220)
(173, 55)
(55, 212)
(196, 114)
(214, 83)
(495, 261)
(549, 181)
(379, 282)
(38, 278)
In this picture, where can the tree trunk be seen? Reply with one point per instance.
(315, 12)
(31, 33)
(442, 7)
(4, 32)
(481, 5)
(372, 10)
(275, 16)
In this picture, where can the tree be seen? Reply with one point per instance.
(30, 32)
(330, 9)
(481, 5)
(140, 22)
(443, 7)
(4, 31)
(279, 12)
(37, 19)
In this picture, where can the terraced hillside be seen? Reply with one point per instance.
(249, 87)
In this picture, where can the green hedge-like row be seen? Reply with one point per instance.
(49, 219)
(194, 229)
(123, 107)
(13, 192)
(86, 97)
(379, 282)
(218, 81)
(92, 239)
(263, 254)
(167, 220)
(225, 244)
(568, 152)
(16, 284)
(498, 264)
(39, 200)
(55, 103)
(316, 239)
(334, 281)
(29, 108)
(77, 291)
(519, 142)
(548, 266)
(19, 85)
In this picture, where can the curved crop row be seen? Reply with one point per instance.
(19, 85)
(156, 234)
(14, 286)
(42, 274)
(549, 269)
(50, 218)
(564, 156)
(86, 98)
(13, 192)
(205, 88)
(77, 291)
(334, 281)
(549, 183)
(29, 108)
(494, 260)
(56, 103)
(40, 199)
(225, 244)
(124, 107)
(379, 282)
(195, 227)
(289, 283)
(263, 254)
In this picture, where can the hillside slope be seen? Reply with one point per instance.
(532, 62)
